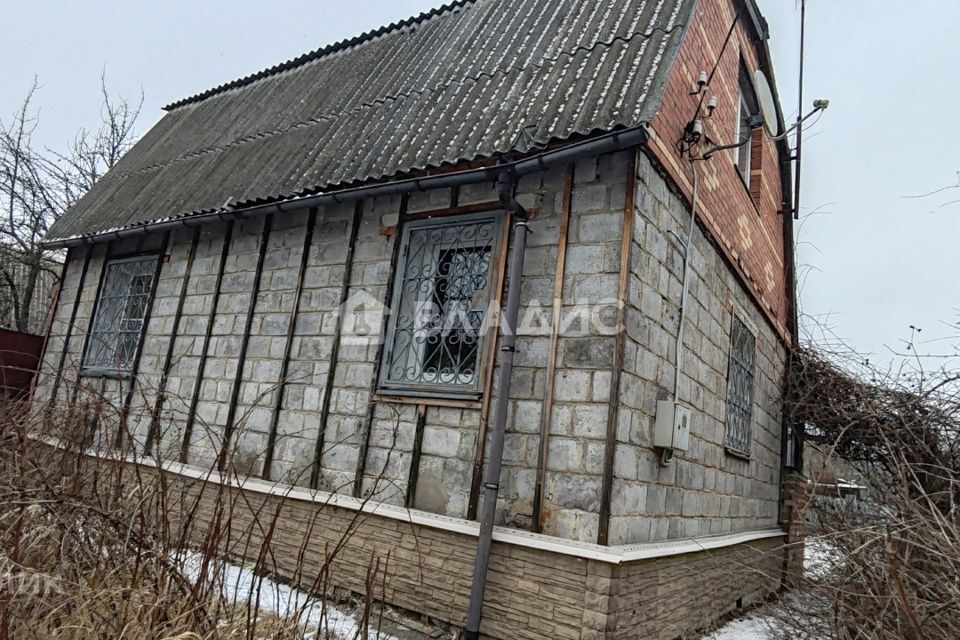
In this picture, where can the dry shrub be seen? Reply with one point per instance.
(98, 548)
(886, 565)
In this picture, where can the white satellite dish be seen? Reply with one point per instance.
(768, 107)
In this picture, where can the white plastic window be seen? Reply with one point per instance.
(744, 132)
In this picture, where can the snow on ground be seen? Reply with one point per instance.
(241, 586)
(754, 627)
(819, 558)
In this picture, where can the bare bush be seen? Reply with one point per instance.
(888, 564)
(97, 546)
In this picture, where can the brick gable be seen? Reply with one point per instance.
(746, 223)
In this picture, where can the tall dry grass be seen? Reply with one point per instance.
(95, 547)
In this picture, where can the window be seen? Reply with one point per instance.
(791, 448)
(747, 108)
(743, 361)
(441, 298)
(122, 304)
(742, 153)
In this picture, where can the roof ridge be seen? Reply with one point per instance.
(316, 54)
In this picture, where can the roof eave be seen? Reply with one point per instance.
(610, 142)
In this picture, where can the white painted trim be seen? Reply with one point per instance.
(650, 550)
(614, 555)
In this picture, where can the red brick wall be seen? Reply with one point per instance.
(745, 223)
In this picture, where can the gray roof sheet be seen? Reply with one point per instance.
(468, 80)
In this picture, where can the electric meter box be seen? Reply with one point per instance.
(672, 427)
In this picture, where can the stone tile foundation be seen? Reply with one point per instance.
(539, 587)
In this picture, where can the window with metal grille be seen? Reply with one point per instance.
(743, 360)
(441, 298)
(122, 304)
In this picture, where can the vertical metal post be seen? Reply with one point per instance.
(201, 367)
(135, 365)
(228, 428)
(796, 184)
(152, 434)
(491, 478)
(288, 345)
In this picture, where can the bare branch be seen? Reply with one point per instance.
(37, 186)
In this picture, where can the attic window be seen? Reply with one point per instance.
(740, 374)
(746, 109)
(441, 298)
(121, 310)
(742, 153)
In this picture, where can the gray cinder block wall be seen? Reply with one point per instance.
(380, 438)
(706, 490)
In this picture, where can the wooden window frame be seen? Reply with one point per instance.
(124, 370)
(741, 370)
(390, 388)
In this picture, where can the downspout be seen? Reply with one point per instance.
(491, 477)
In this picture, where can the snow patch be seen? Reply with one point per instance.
(820, 557)
(749, 628)
(240, 586)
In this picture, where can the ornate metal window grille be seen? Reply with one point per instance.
(743, 360)
(441, 299)
(122, 304)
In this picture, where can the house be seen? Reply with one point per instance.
(301, 277)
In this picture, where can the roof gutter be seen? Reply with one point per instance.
(606, 143)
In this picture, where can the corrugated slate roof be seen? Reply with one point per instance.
(468, 80)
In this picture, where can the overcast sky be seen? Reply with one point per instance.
(872, 261)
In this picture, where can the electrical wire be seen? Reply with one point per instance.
(687, 141)
(716, 64)
(685, 145)
(666, 455)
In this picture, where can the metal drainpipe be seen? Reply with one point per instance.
(491, 477)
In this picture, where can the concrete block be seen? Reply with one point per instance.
(564, 455)
(590, 420)
(441, 441)
(585, 259)
(572, 385)
(587, 353)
